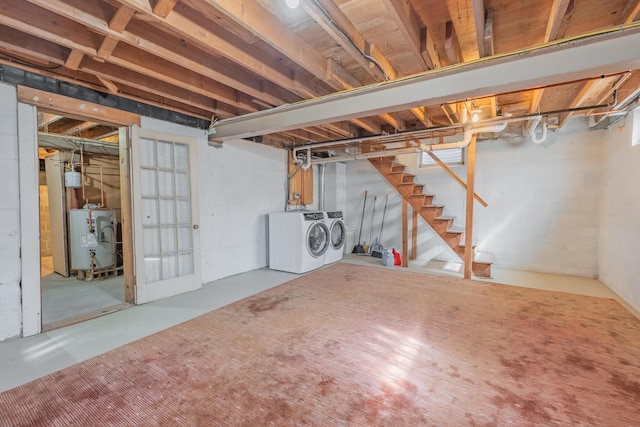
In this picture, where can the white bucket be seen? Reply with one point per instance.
(72, 179)
(350, 240)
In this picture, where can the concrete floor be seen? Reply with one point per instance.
(25, 359)
(67, 300)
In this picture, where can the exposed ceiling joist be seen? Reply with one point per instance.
(630, 11)
(451, 45)
(328, 15)
(479, 24)
(559, 14)
(488, 33)
(609, 53)
(412, 29)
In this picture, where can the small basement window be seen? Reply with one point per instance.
(451, 156)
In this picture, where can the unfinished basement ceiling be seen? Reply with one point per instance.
(226, 58)
(63, 133)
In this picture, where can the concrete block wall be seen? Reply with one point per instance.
(620, 221)
(10, 300)
(544, 202)
(244, 182)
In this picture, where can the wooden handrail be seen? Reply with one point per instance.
(454, 176)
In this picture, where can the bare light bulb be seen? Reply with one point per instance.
(292, 3)
(475, 118)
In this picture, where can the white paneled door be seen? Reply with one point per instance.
(165, 211)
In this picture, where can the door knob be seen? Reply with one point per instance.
(195, 226)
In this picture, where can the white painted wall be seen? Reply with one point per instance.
(10, 264)
(620, 221)
(544, 202)
(239, 184)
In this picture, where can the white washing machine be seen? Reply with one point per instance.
(337, 236)
(298, 241)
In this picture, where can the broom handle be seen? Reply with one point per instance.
(384, 211)
(362, 219)
(373, 213)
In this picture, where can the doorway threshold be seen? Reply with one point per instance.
(83, 317)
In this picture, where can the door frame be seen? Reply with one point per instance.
(29, 100)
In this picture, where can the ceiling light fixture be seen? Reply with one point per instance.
(292, 3)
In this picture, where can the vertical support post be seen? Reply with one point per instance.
(468, 227)
(414, 234)
(405, 232)
(126, 216)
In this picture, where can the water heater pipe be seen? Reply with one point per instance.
(321, 187)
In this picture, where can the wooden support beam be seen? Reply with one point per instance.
(414, 234)
(74, 59)
(455, 176)
(126, 217)
(121, 18)
(338, 77)
(394, 121)
(479, 24)
(558, 12)
(488, 32)
(468, 228)
(418, 38)
(451, 45)
(76, 108)
(405, 232)
(164, 7)
(619, 82)
(421, 114)
(76, 129)
(629, 12)
(428, 50)
(111, 86)
(46, 119)
(580, 98)
(106, 48)
(451, 114)
(117, 23)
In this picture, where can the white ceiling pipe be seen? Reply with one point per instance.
(466, 139)
(539, 140)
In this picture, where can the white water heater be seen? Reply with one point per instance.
(93, 237)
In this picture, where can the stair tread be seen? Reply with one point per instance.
(444, 218)
(432, 206)
(483, 258)
(455, 230)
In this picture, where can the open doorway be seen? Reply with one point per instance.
(81, 251)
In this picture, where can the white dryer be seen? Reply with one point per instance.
(298, 241)
(337, 236)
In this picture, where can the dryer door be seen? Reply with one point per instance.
(317, 239)
(338, 234)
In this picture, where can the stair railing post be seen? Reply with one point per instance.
(414, 234)
(405, 232)
(468, 233)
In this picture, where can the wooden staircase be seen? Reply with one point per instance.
(422, 203)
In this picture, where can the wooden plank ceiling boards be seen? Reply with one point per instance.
(229, 58)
